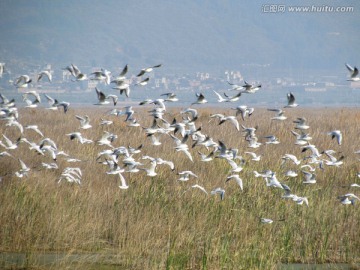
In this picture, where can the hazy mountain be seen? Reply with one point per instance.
(183, 35)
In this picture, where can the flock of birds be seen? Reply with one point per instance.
(186, 134)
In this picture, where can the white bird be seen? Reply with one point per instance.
(143, 82)
(333, 160)
(10, 145)
(200, 99)
(170, 97)
(348, 198)
(279, 114)
(244, 111)
(206, 158)
(219, 191)
(50, 166)
(123, 184)
(238, 180)
(185, 175)
(254, 156)
(300, 123)
(310, 178)
(169, 163)
(45, 73)
(301, 200)
(266, 220)
(151, 171)
(232, 119)
(291, 158)
(23, 81)
(182, 146)
(23, 171)
(2, 68)
(336, 134)
(200, 187)
(354, 72)
(77, 135)
(102, 98)
(272, 181)
(290, 173)
(272, 139)
(235, 167)
(35, 128)
(84, 121)
(291, 101)
(147, 70)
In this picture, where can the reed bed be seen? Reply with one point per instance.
(162, 223)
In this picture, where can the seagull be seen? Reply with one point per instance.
(309, 177)
(10, 145)
(312, 148)
(123, 184)
(301, 200)
(193, 112)
(103, 75)
(336, 134)
(206, 158)
(301, 139)
(235, 167)
(2, 68)
(77, 135)
(200, 99)
(23, 171)
(348, 198)
(143, 82)
(151, 171)
(84, 121)
(65, 105)
(249, 88)
(254, 156)
(170, 97)
(35, 128)
(200, 187)
(291, 101)
(169, 163)
(34, 94)
(243, 110)
(52, 102)
(291, 173)
(354, 72)
(272, 181)
(291, 158)
(272, 139)
(266, 220)
(279, 114)
(333, 160)
(219, 191)
(122, 73)
(123, 87)
(185, 175)
(300, 123)
(147, 70)
(45, 73)
(237, 179)
(23, 81)
(181, 146)
(103, 98)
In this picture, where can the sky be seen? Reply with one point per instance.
(183, 35)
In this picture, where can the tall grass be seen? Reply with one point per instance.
(162, 223)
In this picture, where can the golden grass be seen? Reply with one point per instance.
(159, 222)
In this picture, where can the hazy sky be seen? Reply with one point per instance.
(183, 35)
